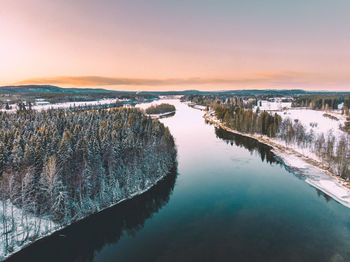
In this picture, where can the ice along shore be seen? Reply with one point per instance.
(310, 169)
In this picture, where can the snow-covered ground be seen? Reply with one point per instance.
(68, 104)
(22, 230)
(161, 115)
(162, 100)
(269, 105)
(75, 104)
(314, 120)
(202, 108)
(28, 229)
(298, 159)
(316, 177)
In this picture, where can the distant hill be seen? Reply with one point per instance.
(232, 92)
(244, 92)
(51, 89)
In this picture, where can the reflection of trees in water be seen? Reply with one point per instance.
(251, 144)
(264, 152)
(79, 241)
(321, 194)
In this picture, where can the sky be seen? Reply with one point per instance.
(176, 44)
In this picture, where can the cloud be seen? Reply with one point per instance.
(260, 78)
(268, 79)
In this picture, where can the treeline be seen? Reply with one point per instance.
(106, 228)
(160, 109)
(313, 101)
(62, 97)
(248, 121)
(248, 101)
(346, 127)
(203, 100)
(322, 102)
(65, 165)
(333, 151)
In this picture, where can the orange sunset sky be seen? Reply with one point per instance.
(176, 45)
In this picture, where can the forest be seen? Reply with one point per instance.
(63, 165)
(333, 151)
(322, 102)
(248, 121)
(160, 109)
(247, 101)
(53, 94)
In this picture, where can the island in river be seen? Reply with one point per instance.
(160, 110)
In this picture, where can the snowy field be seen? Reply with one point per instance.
(273, 106)
(75, 104)
(69, 104)
(315, 121)
(311, 119)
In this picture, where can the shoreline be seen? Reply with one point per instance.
(160, 115)
(56, 227)
(314, 172)
(57, 230)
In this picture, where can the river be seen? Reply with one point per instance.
(230, 199)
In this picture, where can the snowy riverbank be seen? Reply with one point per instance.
(161, 115)
(310, 169)
(22, 230)
(22, 238)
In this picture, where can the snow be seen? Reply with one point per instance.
(25, 229)
(308, 117)
(272, 105)
(164, 99)
(294, 158)
(312, 120)
(314, 175)
(202, 108)
(41, 227)
(317, 177)
(161, 115)
(74, 104)
(333, 188)
(68, 104)
(340, 106)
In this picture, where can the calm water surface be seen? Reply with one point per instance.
(228, 200)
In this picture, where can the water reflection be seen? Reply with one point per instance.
(80, 241)
(263, 151)
(321, 194)
(251, 144)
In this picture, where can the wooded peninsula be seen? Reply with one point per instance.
(63, 165)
